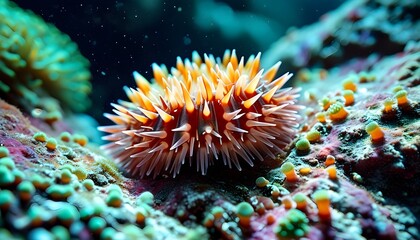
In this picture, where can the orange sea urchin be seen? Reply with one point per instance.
(203, 111)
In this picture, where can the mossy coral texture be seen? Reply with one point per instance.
(294, 225)
(39, 64)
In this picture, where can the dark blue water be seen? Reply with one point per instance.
(119, 37)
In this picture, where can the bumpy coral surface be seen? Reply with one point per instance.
(70, 190)
(203, 110)
(40, 67)
(351, 173)
(356, 29)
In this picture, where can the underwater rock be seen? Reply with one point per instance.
(45, 187)
(356, 29)
(351, 173)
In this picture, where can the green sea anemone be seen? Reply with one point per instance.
(41, 69)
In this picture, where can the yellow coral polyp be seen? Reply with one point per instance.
(337, 112)
(321, 117)
(270, 219)
(65, 137)
(397, 89)
(305, 170)
(375, 132)
(313, 136)
(388, 105)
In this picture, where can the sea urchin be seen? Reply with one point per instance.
(202, 111)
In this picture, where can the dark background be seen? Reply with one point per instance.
(119, 37)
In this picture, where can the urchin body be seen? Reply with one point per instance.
(203, 111)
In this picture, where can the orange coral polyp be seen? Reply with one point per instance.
(288, 202)
(377, 134)
(330, 160)
(349, 84)
(348, 97)
(337, 112)
(388, 105)
(401, 97)
(332, 172)
(207, 110)
(288, 169)
(322, 201)
(321, 117)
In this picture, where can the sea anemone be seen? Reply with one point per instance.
(202, 111)
(40, 65)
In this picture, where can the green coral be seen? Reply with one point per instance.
(41, 68)
(335, 108)
(4, 152)
(293, 226)
(303, 145)
(244, 209)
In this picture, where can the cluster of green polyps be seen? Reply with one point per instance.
(41, 69)
(68, 201)
(293, 225)
(65, 137)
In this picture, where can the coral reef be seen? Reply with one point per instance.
(70, 190)
(41, 69)
(352, 172)
(355, 30)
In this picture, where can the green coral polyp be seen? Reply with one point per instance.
(60, 192)
(65, 137)
(40, 137)
(4, 152)
(68, 213)
(244, 209)
(6, 199)
(88, 184)
(293, 225)
(6, 176)
(26, 188)
(145, 198)
(261, 182)
(303, 145)
(51, 144)
(337, 112)
(8, 162)
(96, 224)
(114, 199)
